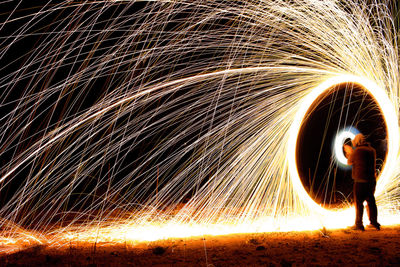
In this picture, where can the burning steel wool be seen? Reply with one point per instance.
(144, 120)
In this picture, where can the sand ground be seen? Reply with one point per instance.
(312, 248)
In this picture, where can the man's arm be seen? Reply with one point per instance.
(348, 151)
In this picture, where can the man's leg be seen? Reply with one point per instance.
(358, 203)
(371, 207)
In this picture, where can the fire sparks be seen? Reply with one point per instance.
(139, 121)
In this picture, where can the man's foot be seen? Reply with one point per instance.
(376, 226)
(357, 227)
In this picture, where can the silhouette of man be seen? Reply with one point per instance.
(363, 161)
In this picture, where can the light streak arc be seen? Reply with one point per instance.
(79, 121)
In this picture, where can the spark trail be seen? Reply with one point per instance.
(147, 120)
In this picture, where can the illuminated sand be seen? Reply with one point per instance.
(306, 248)
(123, 232)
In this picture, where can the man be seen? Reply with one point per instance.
(363, 161)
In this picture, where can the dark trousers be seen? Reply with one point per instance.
(365, 192)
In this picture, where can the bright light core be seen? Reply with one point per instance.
(339, 141)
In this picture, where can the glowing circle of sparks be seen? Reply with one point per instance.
(339, 141)
(389, 115)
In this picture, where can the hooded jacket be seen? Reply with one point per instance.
(363, 160)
